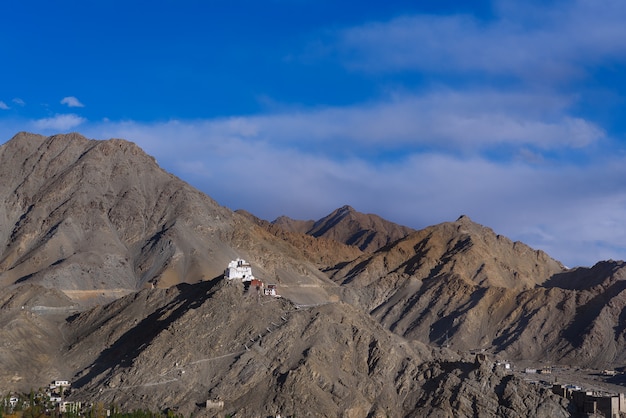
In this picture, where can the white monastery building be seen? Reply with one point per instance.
(239, 269)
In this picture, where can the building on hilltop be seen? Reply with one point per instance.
(257, 284)
(242, 270)
(270, 290)
(239, 269)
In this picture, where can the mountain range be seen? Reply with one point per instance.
(111, 276)
(367, 232)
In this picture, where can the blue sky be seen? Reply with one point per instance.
(510, 112)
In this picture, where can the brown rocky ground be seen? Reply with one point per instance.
(213, 341)
(31, 336)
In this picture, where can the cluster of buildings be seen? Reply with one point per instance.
(57, 390)
(589, 402)
(52, 397)
(242, 270)
(543, 370)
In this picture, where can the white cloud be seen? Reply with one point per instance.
(62, 122)
(471, 121)
(3, 106)
(439, 143)
(553, 42)
(72, 101)
(265, 164)
(19, 101)
(571, 211)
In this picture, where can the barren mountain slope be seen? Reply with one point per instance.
(31, 339)
(462, 284)
(212, 341)
(98, 219)
(519, 324)
(463, 248)
(367, 231)
(293, 225)
(596, 300)
(577, 326)
(324, 253)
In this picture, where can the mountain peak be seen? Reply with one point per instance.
(464, 219)
(69, 197)
(345, 208)
(22, 135)
(368, 232)
(464, 249)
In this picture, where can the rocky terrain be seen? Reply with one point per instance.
(213, 341)
(323, 252)
(368, 232)
(111, 277)
(460, 282)
(100, 219)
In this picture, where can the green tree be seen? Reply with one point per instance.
(31, 398)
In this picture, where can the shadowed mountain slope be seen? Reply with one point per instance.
(213, 341)
(368, 232)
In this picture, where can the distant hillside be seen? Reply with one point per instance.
(463, 248)
(323, 252)
(293, 225)
(462, 283)
(368, 232)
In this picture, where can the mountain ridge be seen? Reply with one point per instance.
(111, 271)
(368, 232)
(98, 218)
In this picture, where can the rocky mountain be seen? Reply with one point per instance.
(461, 284)
(100, 219)
(111, 277)
(215, 342)
(368, 232)
(293, 225)
(323, 252)
(462, 248)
